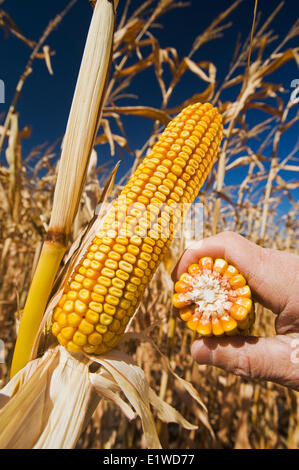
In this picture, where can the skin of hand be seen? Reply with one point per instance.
(273, 277)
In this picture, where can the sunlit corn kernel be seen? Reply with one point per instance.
(100, 289)
(109, 309)
(57, 312)
(75, 285)
(92, 316)
(111, 299)
(104, 281)
(80, 307)
(62, 340)
(85, 327)
(62, 320)
(115, 291)
(68, 306)
(105, 319)
(95, 339)
(96, 306)
(230, 272)
(88, 283)
(71, 346)
(237, 281)
(118, 283)
(84, 295)
(67, 332)
(97, 297)
(121, 274)
(101, 328)
(74, 319)
(79, 278)
(56, 328)
(79, 338)
(144, 256)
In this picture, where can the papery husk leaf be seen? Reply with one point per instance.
(108, 389)
(132, 382)
(167, 413)
(185, 384)
(47, 403)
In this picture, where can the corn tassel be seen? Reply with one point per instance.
(107, 284)
(214, 299)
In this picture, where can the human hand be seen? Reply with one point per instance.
(273, 277)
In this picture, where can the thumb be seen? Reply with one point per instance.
(271, 359)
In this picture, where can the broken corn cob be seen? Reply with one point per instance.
(214, 299)
(109, 279)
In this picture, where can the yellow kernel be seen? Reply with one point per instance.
(97, 297)
(95, 339)
(73, 347)
(145, 256)
(79, 339)
(110, 309)
(85, 327)
(142, 264)
(105, 281)
(111, 299)
(62, 340)
(92, 316)
(108, 336)
(80, 307)
(114, 256)
(131, 259)
(125, 304)
(95, 265)
(135, 280)
(86, 263)
(99, 256)
(74, 319)
(119, 248)
(84, 295)
(115, 325)
(120, 313)
(124, 276)
(72, 295)
(120, 284)
(68, 306)
(79, 278)
(100, 289)
(115, 291)
(97, 307)
(67, 332)
(75, 285)
(62, 320)
(105, 319)
(88, 283)
(101, 328)
(55, 328)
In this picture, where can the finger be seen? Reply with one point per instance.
(270, 273)
(271, 359)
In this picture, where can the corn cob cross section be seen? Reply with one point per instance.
(214, 299)
(107, 284)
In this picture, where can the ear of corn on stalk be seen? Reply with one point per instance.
(214, 299)
(107, 283)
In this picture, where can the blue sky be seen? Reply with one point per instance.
(46, 99)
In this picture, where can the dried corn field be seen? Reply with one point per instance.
(246, 192)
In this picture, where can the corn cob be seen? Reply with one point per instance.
(214, 299)
(107, 284)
